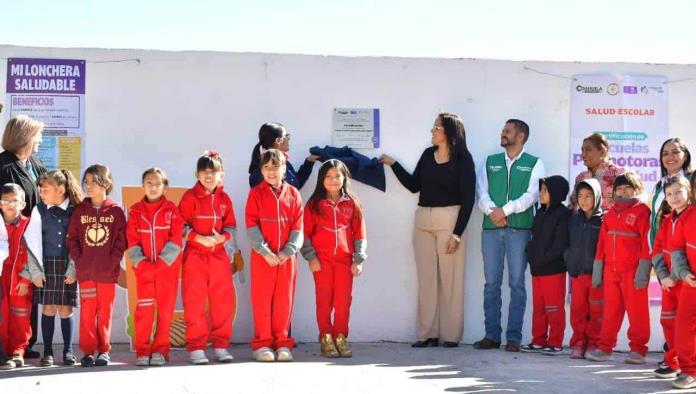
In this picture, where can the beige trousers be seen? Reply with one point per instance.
(440, 275)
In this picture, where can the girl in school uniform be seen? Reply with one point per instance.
(335, 246)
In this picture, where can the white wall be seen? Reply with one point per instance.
(171, 106)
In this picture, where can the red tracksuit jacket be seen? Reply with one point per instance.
(276, 215)
(683, 244)
(623, 241)
(662, 248)
(17, 259)
(155, 232)
(204, 212)
(334, 231)
(97, 240)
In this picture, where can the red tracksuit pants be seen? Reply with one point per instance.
(586, 305)
(548, 314)
(15, 329)
(685, 330)
(668, 318)
(96, 308)
(333, 288)
(207, 276)
(272, 297)
(157, 285)
(621, 297)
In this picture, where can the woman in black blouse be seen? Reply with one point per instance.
(446, 180)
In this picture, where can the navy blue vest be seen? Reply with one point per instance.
(54, 223)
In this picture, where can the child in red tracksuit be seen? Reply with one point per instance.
(16, 296)
(335, 246)
(97, 240)
(207, 272)
(545, 255)
(623, 266)
(274, 226)
(677, 200)
(683, 256)
(154, 232)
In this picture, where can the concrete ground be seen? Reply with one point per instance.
(374, 368)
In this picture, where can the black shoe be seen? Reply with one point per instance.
(29, 353)
(430, 342)
(531, 348)
(450, 344)
(87, 361)
(47, 361)
(102, 360)
(552, 351)
(665, 373)
(486, 343)
(512, 346)
(69, 359)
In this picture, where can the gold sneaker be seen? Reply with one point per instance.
(328, 348)
(343, 346)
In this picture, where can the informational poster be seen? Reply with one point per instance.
(52, 91)
(631, 111)
(356, 127)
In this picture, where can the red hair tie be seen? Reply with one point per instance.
(212, 154)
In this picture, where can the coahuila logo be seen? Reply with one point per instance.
(613, 89)
(589, 89)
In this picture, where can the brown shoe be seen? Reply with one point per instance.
(486, 343)
(343, 346)
(512, 346)
(328, 348)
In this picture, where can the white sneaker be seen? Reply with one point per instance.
(158, 360)
(198, 357)
(142, 361)
(284, 354)
(264, 354)
(223, 355)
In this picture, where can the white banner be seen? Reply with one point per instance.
(630, 110)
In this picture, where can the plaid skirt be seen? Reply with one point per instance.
(55, 291)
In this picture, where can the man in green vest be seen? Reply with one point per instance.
(508, 189)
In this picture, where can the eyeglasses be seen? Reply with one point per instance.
(436, 128)
(10, 203)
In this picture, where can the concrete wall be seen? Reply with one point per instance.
(171, 106)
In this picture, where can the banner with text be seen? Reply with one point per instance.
(52, 91)
(630, 110)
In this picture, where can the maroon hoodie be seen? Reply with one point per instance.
(97, 240)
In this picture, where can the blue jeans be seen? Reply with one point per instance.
(496, 245)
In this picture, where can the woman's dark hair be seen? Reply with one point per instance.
(268, 133)
(455, 134)
(66, 179)
(686, 167)
(101, 175)
(629, 178)
(210, 160)
(320, 191)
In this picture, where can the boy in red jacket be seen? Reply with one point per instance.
(623, 265)
(683, 244)
(210, 231)
(274, 226)
(155, 231)
(335, 247)
(16, 296)
(97, 240)
(677, 203)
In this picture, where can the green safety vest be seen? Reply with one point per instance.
(502, 189)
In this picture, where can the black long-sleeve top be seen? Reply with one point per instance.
(442, 185)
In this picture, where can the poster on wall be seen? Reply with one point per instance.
(356, 127)
(52, 91)
(631, 111)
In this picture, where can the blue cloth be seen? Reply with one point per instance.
(54, 223)
(495, 245)
(362, 169)
(295, 178)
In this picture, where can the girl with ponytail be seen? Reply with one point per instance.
(51, 270)
(274, 136)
